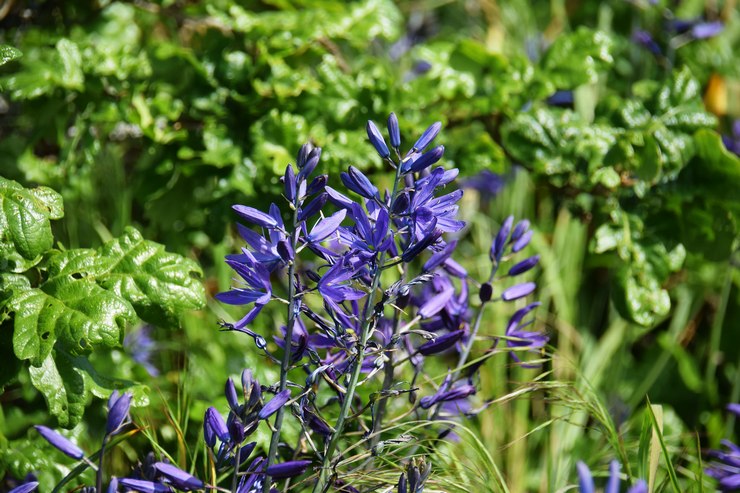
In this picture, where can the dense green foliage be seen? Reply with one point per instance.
(160, 115)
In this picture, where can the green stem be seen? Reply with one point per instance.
(322, 482)
(285, 366)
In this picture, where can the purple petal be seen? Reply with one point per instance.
(144, 486)
(25, 488)
(60, 442)
(216, 423)
(288, 469)
(326, 226)
(232, 397)
(734, 408)
(522, 242)
(612, 486)
(428, 136)
(639, 487)
(497, 249)
(179, 478)
(441, 343)
(524, 265)
(117, 411)
(425, 160)
(255, 216)
(704, 30)
(275, 403)
(313, 207)
(376, 139)
(290, 184)
(519, 229)
(393, 131)
(518, 291)
(585, 480)
(338, 199)
(432, 306)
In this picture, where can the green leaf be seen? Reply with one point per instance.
(157, 283)
(72, 76)
(25, 230)
(66, 382)
(577, 58)
(8, 54)
(79, 314)
(639, 296)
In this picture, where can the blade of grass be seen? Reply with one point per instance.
(656, 418)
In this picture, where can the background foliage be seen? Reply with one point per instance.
(161, 115)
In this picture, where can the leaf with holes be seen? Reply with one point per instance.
(78, 315)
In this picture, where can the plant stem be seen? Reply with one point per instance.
(322, 482)
(285, 366)
(99, 472)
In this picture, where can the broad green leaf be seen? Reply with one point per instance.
(67, 381)
(157, 283)
(78, 314)
(577, 58)
(11, 283)
(8, 54)
(25, 231)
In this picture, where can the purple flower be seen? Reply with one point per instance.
(140, 346)
(290, 183)
(521, 242)
(144, 486)
(523, 266)
(445, 395)
(434, 304)
(497, 248)
(487, 183)
(178, 478)
(60, 442)
(118, 406)
(214, 426)
(376, 139)
(288, 469)
(561, 98)
(255, 216)
(25, 488)
(334, 286)
(725, 463)
(441, 343)
(424, 161)
(258, 290)
(275, 403)
(705, 30)
(326, 227)
(586, 480)
(393, 131)
(428, 136)
(644, 39)
(518, 291)
(356, 181)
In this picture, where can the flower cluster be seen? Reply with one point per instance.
(370, 283)
(725, 463)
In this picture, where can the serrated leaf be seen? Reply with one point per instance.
(157, 283)
(8, 54)
(25, 230)
(78, 314)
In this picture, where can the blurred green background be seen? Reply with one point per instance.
(604, 119)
